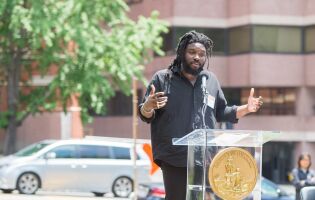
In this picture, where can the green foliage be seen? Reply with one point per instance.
(108, 50)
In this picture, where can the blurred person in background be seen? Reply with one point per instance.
(302, 175)
(173, 104)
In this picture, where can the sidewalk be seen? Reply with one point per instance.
(45, 195)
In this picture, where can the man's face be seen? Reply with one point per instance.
(195, 58)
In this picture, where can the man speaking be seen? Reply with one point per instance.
(174, 105)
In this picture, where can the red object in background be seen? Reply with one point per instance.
(158, 192)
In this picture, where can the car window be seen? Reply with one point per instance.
(30, 150)
(121, 153)
(94, 151)
(65, 151)
(269, 189)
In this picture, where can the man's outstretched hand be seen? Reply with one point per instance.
(254, 104)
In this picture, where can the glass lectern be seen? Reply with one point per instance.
(224, 164)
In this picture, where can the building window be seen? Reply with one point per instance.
(239, 40)
(277, 160)
(180, 31)
(310, 39)
(168, 45)
(277, 39)
(277, 101)
(119, 105)
(218, 37)
(215, 34)
(171, 39)
(232, 95)
(249, 38)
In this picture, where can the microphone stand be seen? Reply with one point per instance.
(204, 127)
(204, 107)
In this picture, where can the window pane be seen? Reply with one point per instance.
(93, 151)
(266, 94)
(121, 152)
(310, 39)
(232, 96)
(169, 42)
(216, 35)
(180, 31)
(277, 39)
(277, 101)
(66, 151)
(114, 105)
(265, 38)
(244, 95)
(290, 99)
(239, 40)
(30, 150)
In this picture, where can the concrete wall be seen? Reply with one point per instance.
(279, 123)
(39, 127)
(309, 70)
(165, 8)
(117, 127)
(34, 129)
(200, 8)
(277, 7)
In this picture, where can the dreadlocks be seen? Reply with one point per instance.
(188, 38)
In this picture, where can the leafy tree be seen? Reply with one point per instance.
(92, 47)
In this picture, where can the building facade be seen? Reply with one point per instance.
(268, 45)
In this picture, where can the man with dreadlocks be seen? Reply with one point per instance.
(173, 105)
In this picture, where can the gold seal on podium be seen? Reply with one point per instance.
(233, 173)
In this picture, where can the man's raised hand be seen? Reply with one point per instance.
(154, 100)
(254, 104)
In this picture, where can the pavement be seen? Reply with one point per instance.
(45, 195)
(50, 195)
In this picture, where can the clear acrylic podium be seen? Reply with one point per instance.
(203, 146)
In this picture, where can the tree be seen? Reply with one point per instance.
(93, 47)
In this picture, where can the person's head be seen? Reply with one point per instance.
(192, 52)
(304, 161)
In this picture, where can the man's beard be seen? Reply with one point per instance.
(191, 71)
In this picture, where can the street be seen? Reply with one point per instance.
(44, 195)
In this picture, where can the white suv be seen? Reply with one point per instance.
(77, 165)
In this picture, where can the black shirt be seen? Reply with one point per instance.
(182, 113)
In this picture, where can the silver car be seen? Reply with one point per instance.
(75, 165)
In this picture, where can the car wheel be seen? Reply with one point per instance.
(6, 191)
(122, 187)
(28, 183)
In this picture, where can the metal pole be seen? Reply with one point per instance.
(134, 135)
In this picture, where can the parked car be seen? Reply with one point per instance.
(269, 191)
(80, 165)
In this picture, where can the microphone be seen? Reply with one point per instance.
(204, 78)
